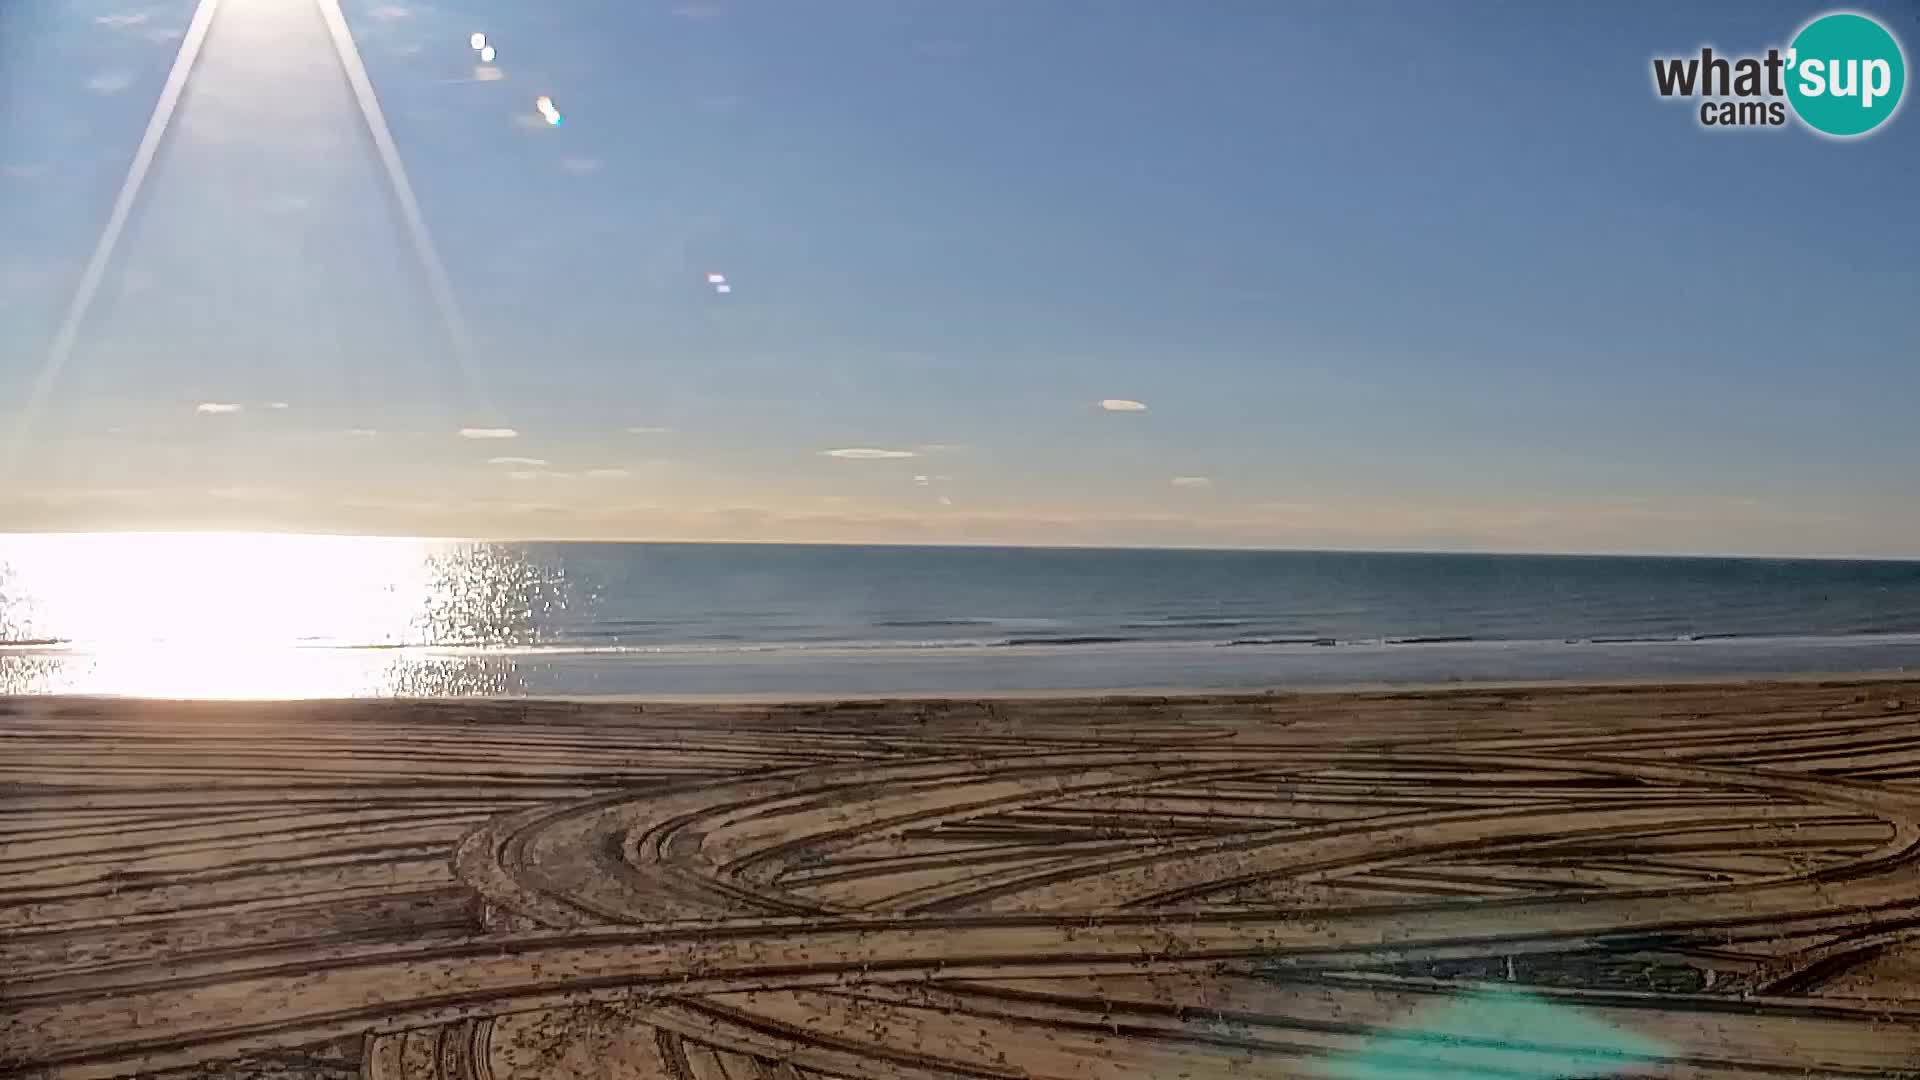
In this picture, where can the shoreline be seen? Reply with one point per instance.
(1166, 695)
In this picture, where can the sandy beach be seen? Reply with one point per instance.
(1690, 880)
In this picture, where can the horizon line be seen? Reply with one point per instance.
(969, 544)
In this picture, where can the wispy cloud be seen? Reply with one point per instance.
(534, 462)
(160, 35)
(867, 453)
(580, 166)
(488, 433)
(1192, 481)
(123, 20)
(360, 432)
(1114, 404)
(109, 82)
(276, 405)
(645, 429)
(388, 13)
(608, 474)
(538, 474)
(217, 408)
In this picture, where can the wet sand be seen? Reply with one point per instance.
(1686, 880)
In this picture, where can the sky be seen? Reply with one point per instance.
(1240, 273)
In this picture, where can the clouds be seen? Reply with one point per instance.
(1192, 482)
(488, 433)
(644, 429)
(580, 166)
(109, 82)
(867, 453)
(607, 474)
(532, 462)
(217, 408)
(389, 13)
(124, 20)
(1122, 405)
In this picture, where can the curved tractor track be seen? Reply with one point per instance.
(1682, 881)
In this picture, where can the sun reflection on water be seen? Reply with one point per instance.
(247, 615)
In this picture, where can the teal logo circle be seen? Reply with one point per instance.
(1845, 74)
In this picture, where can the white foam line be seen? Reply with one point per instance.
(436, 271)
(96, 271)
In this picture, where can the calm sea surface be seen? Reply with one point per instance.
(253, 615)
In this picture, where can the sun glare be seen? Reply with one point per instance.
(253, 614)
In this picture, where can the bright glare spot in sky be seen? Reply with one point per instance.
(723, 288)
(716, 279)
(478, 41)
(487, 54)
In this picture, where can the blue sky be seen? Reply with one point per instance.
(1384, 275)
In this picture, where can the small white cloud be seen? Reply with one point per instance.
(868, 453)
(608, 474)
(109, 82)
(580, 166)
(922, 481)
(160, 35)
(488, 433)
(124, 20)
(487, 73)
(1192, 481)
(216, 408)
(388, 13)
(1114, 404)
(539, 463)
(360, 432)
(277, 405)
(644, 429)
(23, 172)
(525, 474)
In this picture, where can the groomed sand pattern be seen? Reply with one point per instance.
(1681, 881)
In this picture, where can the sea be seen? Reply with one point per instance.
(266, 615)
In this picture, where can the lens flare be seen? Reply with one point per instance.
(478, 41)
(487, 54)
